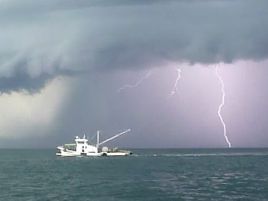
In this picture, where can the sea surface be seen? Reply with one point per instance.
(153, 174)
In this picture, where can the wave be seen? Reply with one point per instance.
(201, 154)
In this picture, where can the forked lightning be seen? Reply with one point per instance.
(127, 86)
(175, 86)
(221, 105)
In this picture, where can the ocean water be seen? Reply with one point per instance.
(169, 174)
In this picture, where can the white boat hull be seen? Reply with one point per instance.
(73, 154)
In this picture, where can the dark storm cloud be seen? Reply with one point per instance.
(21, 80)
(57, 36)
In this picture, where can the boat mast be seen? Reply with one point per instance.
(115, 136)
(98, 139)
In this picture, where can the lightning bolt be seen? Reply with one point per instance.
(127, 86)
(175, 86)
(221, 105)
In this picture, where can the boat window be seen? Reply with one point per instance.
(80, 142)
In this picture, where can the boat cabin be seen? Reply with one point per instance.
(83, 147)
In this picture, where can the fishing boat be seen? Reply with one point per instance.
(82, 147)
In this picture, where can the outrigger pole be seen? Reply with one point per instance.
(109, 139)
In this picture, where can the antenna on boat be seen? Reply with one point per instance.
(115, 136)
